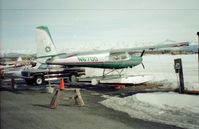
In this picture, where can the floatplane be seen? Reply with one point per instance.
(114, 60)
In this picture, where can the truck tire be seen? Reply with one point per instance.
(73, 78)
(39, 80)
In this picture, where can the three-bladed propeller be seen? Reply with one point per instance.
(141, 56)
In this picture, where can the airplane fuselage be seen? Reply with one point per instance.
(99, 60)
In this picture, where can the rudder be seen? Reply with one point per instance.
(45, 44)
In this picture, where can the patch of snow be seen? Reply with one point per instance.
(169, 108)
(106, 96)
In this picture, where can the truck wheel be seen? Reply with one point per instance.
(73, 79)
(39, 80)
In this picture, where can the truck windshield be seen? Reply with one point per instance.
(43, 66)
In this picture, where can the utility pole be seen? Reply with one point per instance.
(198, 57)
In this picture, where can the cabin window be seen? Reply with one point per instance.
(116, 58)
(123, 57)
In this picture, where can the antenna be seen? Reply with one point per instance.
(198, 57)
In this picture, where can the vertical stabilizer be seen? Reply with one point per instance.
(45, 44)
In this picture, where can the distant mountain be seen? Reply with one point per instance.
(16, 55)
(191, 48)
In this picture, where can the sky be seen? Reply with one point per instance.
(86, 24)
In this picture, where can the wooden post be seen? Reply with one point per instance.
(49, 89)
(179, 70)
(49, 84)
(198, 57)
(14, 87)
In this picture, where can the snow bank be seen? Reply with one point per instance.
(169, 108)
(179, 101)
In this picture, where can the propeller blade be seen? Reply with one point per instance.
(142, 53)
(143, 66)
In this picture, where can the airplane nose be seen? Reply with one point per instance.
(136, 59)
(140, 59)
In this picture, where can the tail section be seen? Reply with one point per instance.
(45, 44)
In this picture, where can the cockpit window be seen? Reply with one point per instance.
(118, 56)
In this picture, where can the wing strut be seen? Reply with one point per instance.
(118, 71)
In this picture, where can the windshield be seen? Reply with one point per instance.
(43, 66)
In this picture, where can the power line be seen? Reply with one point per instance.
(104, 9)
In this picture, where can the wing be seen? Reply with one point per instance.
(166, 44)
(152, 47)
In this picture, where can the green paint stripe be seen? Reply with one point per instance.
(45, 28)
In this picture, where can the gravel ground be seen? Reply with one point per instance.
(28, 108)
